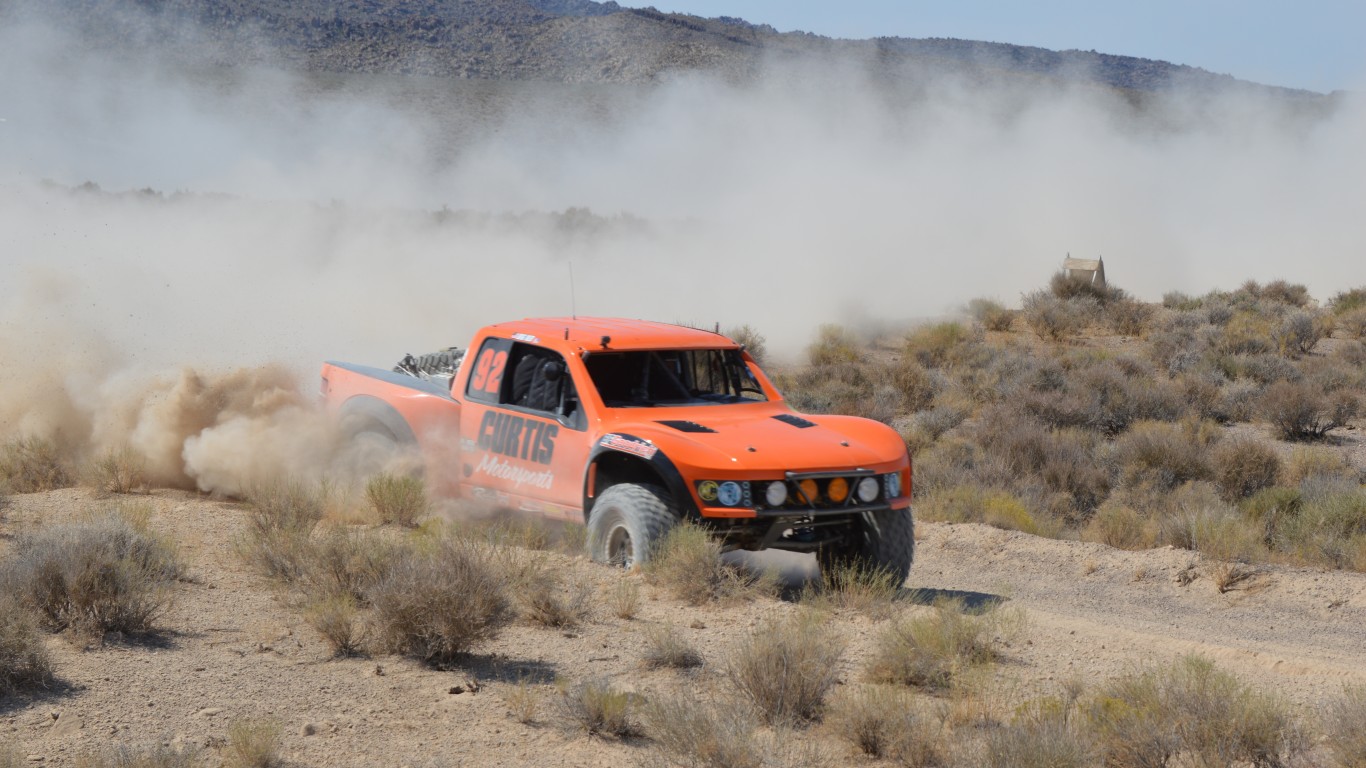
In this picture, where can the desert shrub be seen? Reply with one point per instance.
(971, 504)
(1238, 402)
(253, 744)
(852, 388)
(336, 618)
(524, 700)
(1353, 323)
(1244, 466)
(1298, 332)
(1343, 734)
(1263, 369)
(665, 647)
(1127, 317)
(1348, 301)
(753, 342)
(933, 345)
(1163, 455)
(1219, 533)
(1301, 411)
(1043, 734)
(623, 598)
(688, 565)
(691, 733)
(1066, 287)
(550, 603)
(345, 562)
(1180, 301)
(119, 471)
(1282, 292)
(1191, 708)
(1119, 526)
(1057, 319)
(835, 345)
(282, 516)
(1329, 526)
(884, 723)
(397, 498)
(101, 576)
(940, 419)
(24, 662)
(1247, 333)
(992, 315)
(787, 667)
(932, 651)
(599, 709)
(915, 385)
(1272, 508)
(436, 604)
(159, 756)
(953, 462)
(1107, 397)
(32, 465)
(1313, 461)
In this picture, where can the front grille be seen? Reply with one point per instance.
(815, 491)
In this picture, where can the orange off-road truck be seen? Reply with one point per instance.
(628, 427)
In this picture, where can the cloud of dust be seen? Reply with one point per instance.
(300, 218)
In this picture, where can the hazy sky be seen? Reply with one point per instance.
(1315, 44)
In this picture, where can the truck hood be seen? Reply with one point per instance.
(751, 438)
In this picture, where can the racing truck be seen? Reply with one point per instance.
(629, 427)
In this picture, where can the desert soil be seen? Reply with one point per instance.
(234, 648)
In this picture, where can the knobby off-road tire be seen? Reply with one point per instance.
(628, 522)
(884, 539)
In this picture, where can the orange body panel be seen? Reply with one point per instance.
(534, 461)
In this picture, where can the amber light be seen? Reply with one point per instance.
(809, 490)
(838, 490)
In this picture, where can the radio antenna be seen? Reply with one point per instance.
(573, 304)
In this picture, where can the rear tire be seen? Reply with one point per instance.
(884, 539)
(627, 524)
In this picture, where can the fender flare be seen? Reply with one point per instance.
(656, 462)
(361, 412)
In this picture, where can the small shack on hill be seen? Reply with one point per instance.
(1086, 270)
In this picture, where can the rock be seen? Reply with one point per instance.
(308, 729)
(209, 712)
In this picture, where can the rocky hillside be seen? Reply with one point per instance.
(555, 40)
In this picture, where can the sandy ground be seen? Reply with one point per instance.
(233, 648)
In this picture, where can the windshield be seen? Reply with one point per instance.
(673, 377)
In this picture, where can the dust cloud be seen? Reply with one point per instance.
(182, 245)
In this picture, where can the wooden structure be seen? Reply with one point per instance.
(1089, 270)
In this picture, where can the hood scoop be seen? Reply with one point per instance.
(686, 426)
(794, 420)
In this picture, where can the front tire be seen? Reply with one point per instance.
(882, 540)
(627, 524)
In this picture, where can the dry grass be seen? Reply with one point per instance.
(1243, 467)
(599, 709)
(787, 667)
(1343, 732)
(337, 619)
(688, 566)
(33, 465)
(885, 723)
(1121, 527)
(753, 341)
(148, 757)
(665, 647)
(1302, 411)
(1190, 708)
(400, 499)
(690, 733)
(524, 701)
(1043, 734)
(253, 744)
(95, 577)
(933, 651)
(623, 598)
(855, 587)
(344, 562)
(992, 314)
(437, 603)
(24, 663)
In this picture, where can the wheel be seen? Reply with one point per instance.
(628, 522)
(882, 539)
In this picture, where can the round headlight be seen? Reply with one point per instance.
(729, 494)
(810, 490)
(893, 485)
(867, 489)
(776, 495)
(837, 490)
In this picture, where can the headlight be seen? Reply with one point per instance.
(893, 485)
(776, 495)
(867, 489)
(838, 490)
(810, 490)
(729, 494)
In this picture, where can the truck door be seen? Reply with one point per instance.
(522, 431)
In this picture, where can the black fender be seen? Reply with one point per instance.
(363, 413)
(637, 460)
